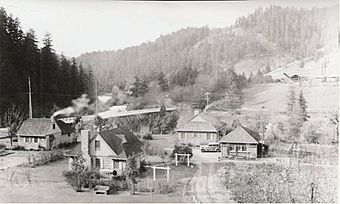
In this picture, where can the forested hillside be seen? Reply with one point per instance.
(55, 80)
(272, 37)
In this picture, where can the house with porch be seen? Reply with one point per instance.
(201, 129)
(242, 143)
(44, 134)
(107, 151)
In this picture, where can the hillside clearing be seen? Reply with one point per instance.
(274, 96)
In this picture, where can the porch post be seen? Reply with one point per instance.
(188, 158)
(154, 173)
(167, 173)
(176, 158)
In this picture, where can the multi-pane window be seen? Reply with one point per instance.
(97, 164)
(238, 147)
(182, 135)
(53, 126)
(208, 136)
(115, 164)
(26, 139)
(35, 140)
(232, 148)
(97, 144)
(244, 148)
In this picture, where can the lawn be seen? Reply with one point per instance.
(47, 184)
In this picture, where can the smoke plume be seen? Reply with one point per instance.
(77, 105)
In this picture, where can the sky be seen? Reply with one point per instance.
(80, 26)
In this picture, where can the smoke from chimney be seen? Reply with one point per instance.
(77, 105)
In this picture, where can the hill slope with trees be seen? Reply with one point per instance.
(55, 80)
(270, 37)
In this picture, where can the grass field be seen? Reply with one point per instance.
(275, 96)
(311, 68)
(47, 184)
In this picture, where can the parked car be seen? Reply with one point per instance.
(210, 147)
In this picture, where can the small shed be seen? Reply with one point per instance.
(242, 143)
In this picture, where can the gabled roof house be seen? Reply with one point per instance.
(107, 151)
(201, 129)
(242, 142)
(44, 133)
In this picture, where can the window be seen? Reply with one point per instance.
(69, 134)
(208, 136)
(182, 134)
(26, 139)
(97, 163)
(97, 145)
(195, 134)
(238, 147)
(53, 126)
(115, 164)
(35, 140)
(244, 148)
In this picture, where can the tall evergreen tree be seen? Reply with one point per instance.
(163, 82)
(302, 111)
(291, 102)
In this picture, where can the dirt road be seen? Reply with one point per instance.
(207, 185)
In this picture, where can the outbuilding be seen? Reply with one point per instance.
(242, 143)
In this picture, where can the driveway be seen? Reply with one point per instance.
(207, 185)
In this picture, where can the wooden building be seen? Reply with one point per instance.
(107, 151)
(201, 129)
(242, 143)
(44, 133)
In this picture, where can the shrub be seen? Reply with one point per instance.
(181, 149)
(148, 136)
(85, 179)
(18, 147)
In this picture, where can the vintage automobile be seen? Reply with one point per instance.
(210, 147)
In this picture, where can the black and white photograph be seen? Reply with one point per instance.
(105, 101)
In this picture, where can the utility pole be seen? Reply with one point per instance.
(41, 78)
(96, 84)
(207, 99)
(29, 98)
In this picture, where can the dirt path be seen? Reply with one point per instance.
(207, 185)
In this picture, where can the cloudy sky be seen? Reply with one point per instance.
(79, 26)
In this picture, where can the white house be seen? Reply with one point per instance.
(107, 151)
(44, 133)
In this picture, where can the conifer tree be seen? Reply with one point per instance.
(302, 108)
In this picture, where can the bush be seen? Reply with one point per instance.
(148, 136)
(50, 156)
(19, 148)
(86, 179)
(181, 149)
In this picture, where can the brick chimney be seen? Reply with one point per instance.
(85, 147)
(53, 122)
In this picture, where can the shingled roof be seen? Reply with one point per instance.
(197, 124)
(65, 128)
(241, 135)
(124, 143)
(36, 127)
